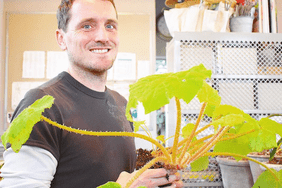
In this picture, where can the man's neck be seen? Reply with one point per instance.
(96, 82)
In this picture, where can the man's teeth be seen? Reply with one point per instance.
(100, 51)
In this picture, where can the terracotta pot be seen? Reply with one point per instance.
(235, 173)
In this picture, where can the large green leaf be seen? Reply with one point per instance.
(271, 125)
(229, 120)
(265, 135)
(237, 146)
(264, 139)
(223, 110)
(210, 95)
(155, 91)
(200, 164)
(267, 180)
(19, 130)
(187, 129)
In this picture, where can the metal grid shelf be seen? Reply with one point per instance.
(246, 71)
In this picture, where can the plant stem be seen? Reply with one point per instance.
(177, 130)
(237, 136)
(148, 133)
(203, 128)
(207, 146)
(93, 133)
(273, 115)
(192, 133)
(147, 166)
(242, 156)
(192, 144)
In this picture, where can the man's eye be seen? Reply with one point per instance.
(87, 27)
(109, 26)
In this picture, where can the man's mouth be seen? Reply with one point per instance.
(99, 51)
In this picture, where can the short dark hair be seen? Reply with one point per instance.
(63, 15)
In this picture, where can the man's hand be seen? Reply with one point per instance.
(152, 178)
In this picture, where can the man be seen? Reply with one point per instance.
(88, 31)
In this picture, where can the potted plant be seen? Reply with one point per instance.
(235, 132)
(273, 154)
(247, 168)
(275, 163)
(271, 158)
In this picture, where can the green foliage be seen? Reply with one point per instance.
(19, 130)
(156, 91)
(245, 134)
(267, 180)
(263, 139)
(110, 185)
(209, 95)
(187, 129)
(161, 138)
(200, 164)
(237, 146)
(275, 149)
(229, 120)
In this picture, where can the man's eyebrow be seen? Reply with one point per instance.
(112, 21)
(87, 20)
(94, 20)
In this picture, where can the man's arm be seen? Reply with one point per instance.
(31, 167)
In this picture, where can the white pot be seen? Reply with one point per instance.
(241, 24)
(276, 167)
(235, 174)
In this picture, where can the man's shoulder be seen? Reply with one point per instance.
(117, 95)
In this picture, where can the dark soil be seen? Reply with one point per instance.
(276, 161)
(143, 157)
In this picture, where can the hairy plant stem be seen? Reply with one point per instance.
(238, 135)
(177, 130)
(147, 166)
(207, 146)
(203, 128)
(242, 156)
(192, 133)
(93, 133)
(148, 133)
(192, 144)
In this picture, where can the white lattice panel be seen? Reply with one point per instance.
(246, 71)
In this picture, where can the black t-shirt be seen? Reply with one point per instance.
(83, 161)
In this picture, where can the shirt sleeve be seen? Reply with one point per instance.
(31, 167)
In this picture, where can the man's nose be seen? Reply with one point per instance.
(101, 34)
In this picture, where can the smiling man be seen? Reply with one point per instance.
(88, 31)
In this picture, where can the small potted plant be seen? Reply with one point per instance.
(235, 132)
(242, 18)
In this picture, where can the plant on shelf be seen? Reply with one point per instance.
(235, 133)
(245, 8)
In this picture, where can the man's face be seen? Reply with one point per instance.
(92, 38)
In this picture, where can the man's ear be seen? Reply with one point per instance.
(61, 39)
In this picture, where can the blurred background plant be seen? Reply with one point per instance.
(245, 8)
